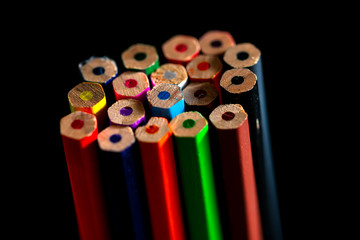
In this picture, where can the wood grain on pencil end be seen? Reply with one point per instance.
(126, 112)
(87, 97)
(140, 57)
(181, 48)
(172, 95)
(216, 42)
(170, 73)
(200, 93)
(242, 55)
(116, 138)
(188, 124)
(78, 125)
(204, 67)
(228, 116)
(155, 129)
(98, 69)
(238, 80)
(130, 84)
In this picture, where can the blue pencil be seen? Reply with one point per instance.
(124, 185)
(166, 100)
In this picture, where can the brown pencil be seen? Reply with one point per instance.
(231, 122)
(79, 134)
(201, 97)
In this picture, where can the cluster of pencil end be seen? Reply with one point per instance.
(173, 151)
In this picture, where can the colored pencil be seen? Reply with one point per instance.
(166, 100)
(216, 42)
(100, 70)
(141, 57)
(231, 122)
(237, 84)
(201, 97)
(89, 97)
(205, 68)
(170, 73)
(181, 49)
(123, 183)
(246, 55)
(127, 112)
(79, 132)
(130, 84)
(190, 130)
(156, 147)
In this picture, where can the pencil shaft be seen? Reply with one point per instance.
(162, 190)
(198, 185)
(125, 193)
(87, 192)
(264, 165)
(240, 183)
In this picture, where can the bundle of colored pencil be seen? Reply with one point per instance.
(178, 149)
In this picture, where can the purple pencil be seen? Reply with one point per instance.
(127, 112)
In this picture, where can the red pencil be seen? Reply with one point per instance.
(160, 179)
(79, 134)
(232, 126)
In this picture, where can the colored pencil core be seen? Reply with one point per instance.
(169, 74)
(77, 124)
(216, 43)
(131, 83)
(237, 80)
(200, 93)
(140, 56)
(188, 123)
(202, 66)
(163, 95)
(115, 138)
(227, 116)
(151, 129)
(98, 70)
(242, 56)
(126, 111)
(86, 95)
(181, 47)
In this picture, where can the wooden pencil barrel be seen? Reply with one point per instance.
(231, 122)
(156, 147)
(122, 176)
(246, 55)
(193, 151)
(79, 133)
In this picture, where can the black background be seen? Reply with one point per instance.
(292, 105)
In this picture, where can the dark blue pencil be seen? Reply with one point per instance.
(124, 185)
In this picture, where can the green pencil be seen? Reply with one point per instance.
(193, 151)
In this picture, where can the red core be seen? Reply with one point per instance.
(227, 116)
(181, 47)
(77, 124)
(203, 66)
(152, 129)
(130, 83)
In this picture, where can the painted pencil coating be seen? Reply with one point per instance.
(79, 132)
(122, 175)
(231, 122)
(161, 179)
(193, 151)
